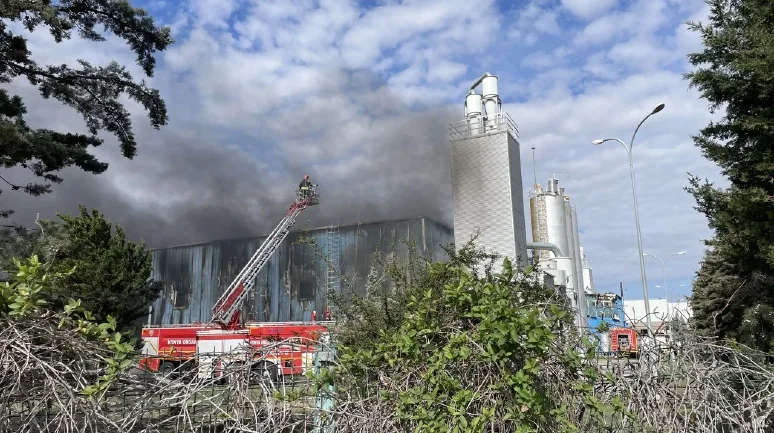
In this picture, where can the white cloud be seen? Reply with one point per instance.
(214, 12)
(452, 24)
(446, 71)
(533, 20)
(588, 8)
(641, 54)
(262, 91)
(601, 67)
(641, 18)
(546, 59)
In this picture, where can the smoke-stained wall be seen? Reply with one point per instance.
(295, 280)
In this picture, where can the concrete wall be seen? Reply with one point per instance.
(294, 282)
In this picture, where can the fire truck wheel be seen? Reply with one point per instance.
(166, 368)
(265, 370)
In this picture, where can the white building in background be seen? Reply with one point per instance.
(634, 310)
(486, 176)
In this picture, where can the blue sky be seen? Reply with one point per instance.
(359, 94)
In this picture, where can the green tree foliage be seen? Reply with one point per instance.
(111, 275)
(734, 291)
(461, 349)
(23, 296)
(94, 91)
(389, 288)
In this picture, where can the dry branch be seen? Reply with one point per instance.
(693, 385)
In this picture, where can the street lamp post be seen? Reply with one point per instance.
(628, 148)
(663, 272)
(666, 296)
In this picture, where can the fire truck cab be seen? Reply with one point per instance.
(623, 342)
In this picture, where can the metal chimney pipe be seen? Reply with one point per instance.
(479, 80)
(546, 246)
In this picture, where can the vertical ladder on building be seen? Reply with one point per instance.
(333, 256)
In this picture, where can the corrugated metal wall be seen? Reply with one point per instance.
(294, 282)
(487, 194)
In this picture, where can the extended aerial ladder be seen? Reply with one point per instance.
(227, 310)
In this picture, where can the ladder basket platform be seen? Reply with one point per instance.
(312, 198)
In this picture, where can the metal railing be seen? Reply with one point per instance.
(482, 125)
(247, 324)
(180, 325)
(313, 193)
(290, 323)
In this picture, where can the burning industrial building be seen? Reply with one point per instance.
(288, 277)
(295, 280)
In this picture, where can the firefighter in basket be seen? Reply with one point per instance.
(304, 188)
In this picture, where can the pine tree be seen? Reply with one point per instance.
(111, 274)
(93, 91)
(734, 291)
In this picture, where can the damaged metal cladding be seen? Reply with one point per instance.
(296, 279)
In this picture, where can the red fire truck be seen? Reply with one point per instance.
(623, 341)
(278, 348)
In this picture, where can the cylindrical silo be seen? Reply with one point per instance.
(555, 223)
(567, 216)
(489, 87)
(473, 104)
(534, 218)
(575, 245)
(571, 242)
(578, 262)
(547, 217)
(473, 108)
(491, 100)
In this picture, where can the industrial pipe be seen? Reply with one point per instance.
(546, 246)
(480, 79)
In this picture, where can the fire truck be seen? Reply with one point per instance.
(275, 349)
(623, 341)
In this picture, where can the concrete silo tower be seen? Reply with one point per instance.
(555, 220)
(486, 176)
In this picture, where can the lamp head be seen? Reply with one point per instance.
(658, 108)
(681, 253)
(597, 142)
